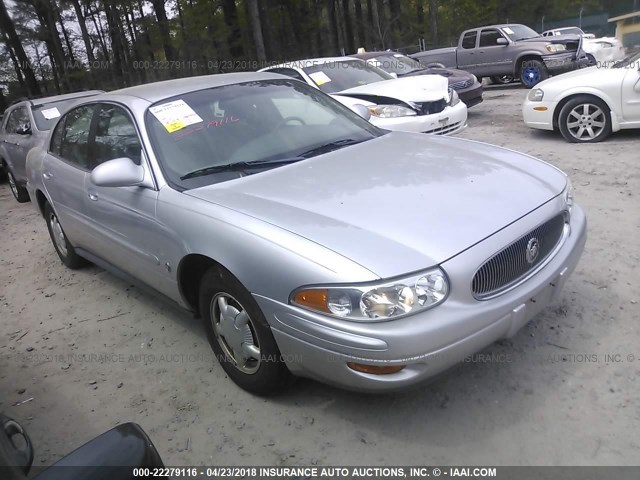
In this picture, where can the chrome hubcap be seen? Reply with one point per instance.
(586, 121)
(58, 234)
(235, 332)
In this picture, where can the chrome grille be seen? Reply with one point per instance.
(461, 84)
(514, 262)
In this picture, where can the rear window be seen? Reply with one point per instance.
(46, 115)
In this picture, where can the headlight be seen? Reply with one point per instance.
(556, 47)
(568, 195)
(454, 99)
(376, 301)
(391, 111)
(536, 95)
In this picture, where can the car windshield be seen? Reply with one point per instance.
(630, 61)
(46, 115)
(333, 77)
(569, 31)
(519, 32)
(218, 134)
(398, 64)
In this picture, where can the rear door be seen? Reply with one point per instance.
(466, 52)
(123, 219)
(65, 170)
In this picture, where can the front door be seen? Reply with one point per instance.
(631, 95)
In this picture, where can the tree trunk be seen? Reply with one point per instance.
(348, 28)
(420, 17)
(15, 45)
(362, 39)
(234, 37)
(65, 34)
(256, 27)
(163, 25)
(394, 22)
(433, 20)
(271, 48)
(333, 27)
(83, 30)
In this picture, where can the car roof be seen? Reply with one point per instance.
(156, 91)
(309, 62)
(367, 55)
(36, 102)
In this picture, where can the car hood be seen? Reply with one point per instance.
(397, 203)
(584, 77)
(423, 88)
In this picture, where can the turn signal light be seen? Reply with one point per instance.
(313, 299)
(540, 109)
(375, 369)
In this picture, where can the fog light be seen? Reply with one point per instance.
(375, 369)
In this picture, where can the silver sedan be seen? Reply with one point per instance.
(310, 242)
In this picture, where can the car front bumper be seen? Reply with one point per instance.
(471, 95)
(538, 114)
(564, 62)
(431, 342)
(451, 120)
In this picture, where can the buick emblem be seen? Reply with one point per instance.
(533, 248)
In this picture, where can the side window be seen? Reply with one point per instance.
(469, 40)
(489, 38)
(17, 118)
(56, 139)
(289, 72)
(116, 136)
(74, 146)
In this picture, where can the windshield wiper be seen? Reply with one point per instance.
(240, 166)
(329, 147)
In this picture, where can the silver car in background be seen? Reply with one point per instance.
(26, 125)
(309, 241)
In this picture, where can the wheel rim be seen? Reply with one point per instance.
(505, 79)
(58, 234)
(235, 332)
(586, 122)
(531, 75)
(12, 185)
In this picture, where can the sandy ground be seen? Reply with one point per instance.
(86, 351)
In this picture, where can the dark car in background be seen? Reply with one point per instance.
(467, 86)
(25, 125)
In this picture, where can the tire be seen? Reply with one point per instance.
(503, 79)
(3, 172)
(259, 369)
(592, 60)
(64, 249)
(532, 72)
(585, 119)
(19, 193)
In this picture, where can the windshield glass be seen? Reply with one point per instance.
(631, 61)
(203, 137)
(519, 32)
(333, 77)
(46, 115)
(398, 64)
(569, 31)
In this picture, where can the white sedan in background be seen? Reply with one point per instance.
(603, 50)
(422, 104)
(587, 105)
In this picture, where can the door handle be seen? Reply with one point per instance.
(47, 175)
(93, 196)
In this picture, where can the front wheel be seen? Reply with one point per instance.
(240, 336)
(533, 72)
(503, 79)
(64, 249)
(585, 119)
(19, 193)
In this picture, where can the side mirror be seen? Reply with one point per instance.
(362, 111)
(119, 172)
(24, 129)
(502, 41)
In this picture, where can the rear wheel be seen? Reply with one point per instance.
(533, 72)
(240, 335)
(585, 119)
(64, 249)
(19, 193)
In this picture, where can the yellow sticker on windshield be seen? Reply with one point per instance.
(172, 127)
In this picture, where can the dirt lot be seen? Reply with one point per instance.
(86, 351)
